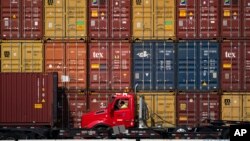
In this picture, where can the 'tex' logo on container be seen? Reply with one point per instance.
(239, 132)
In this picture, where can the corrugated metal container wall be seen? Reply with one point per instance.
(198, 65)
(109, 19)
(110, 65)
(235, 65)
(10, 19)
(195, 108)
(235, 106)
(36, 104)
(208, 19)
(231, 17)
(153, 19)
(69, 60)
(25, 56)
(154, 65)
(22, 19)
(65, 19)
(161, 108)
(186, 19)
(99, 100)
(246, 18)
(77, 106)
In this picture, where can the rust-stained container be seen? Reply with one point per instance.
(77, 105)
(153, 19)
(99, 100)
(161, 108)
(22, 19)
(22, 56)
(194, 108)
(208, 19)
(246, 18)
(65, 19)
(69, 60)
(110, 65)
(109, 19)
(231, 19)
(186, 19)
(235, 106)
(235, 64)
(28, 99)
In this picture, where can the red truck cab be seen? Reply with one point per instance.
(113, 115)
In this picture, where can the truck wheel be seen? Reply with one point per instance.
(180, 129)
(1, 136)
(225, 134)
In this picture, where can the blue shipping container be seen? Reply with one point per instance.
(154, 65)
(198, 65)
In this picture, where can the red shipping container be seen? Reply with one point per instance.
(235, 65)
(110, 65)
(22, 19)
(208, 19)
(186, 19)
(69, 60)
(99, 100)
(77, 106)
(28, 99)
(231, 18)
(109, 19)
(195, 108)
(246, 18)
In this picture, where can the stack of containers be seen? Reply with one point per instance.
(197, 69)
(109, 50)
(65, 50)
(21, 34)
(154, 58)
(235, 60)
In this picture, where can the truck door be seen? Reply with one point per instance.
(122, 113)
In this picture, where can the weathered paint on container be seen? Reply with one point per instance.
(11, 57)
(198, 65)
(69, 60)
(153, 19)
(231, 18)
(194, 108)
(161, 108)
(99, 101)
(208, 19)
(154, 65)
(235, 64)
(65, 19)
(22, 56)
(187, 19)
(235, 106)
(110, 65)
(246, 18)
(77, 106)
(109, 19)
(22, 19)
(28, 99)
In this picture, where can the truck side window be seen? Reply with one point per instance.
(121, 104)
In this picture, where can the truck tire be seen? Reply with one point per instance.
(181, 129)
(11, 136)
(226, 134)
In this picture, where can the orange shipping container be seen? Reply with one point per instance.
(69, 60)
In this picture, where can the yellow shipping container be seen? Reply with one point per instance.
(161, 109)
(235, 106)
(154, 19)
(65, 19)
(21, 56)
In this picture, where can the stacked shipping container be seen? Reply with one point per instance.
(188, 73)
